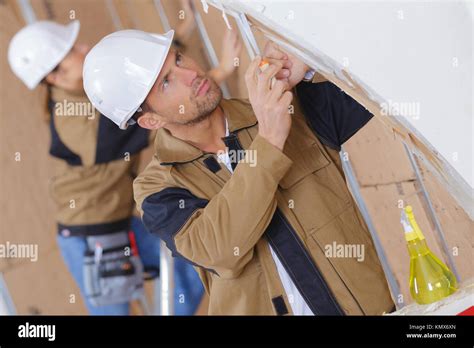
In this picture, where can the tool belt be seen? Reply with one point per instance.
(113, 272)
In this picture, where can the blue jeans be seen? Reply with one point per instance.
(188, 287)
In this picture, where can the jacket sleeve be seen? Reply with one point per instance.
(73, 139)
(332, 114)
(220, 234)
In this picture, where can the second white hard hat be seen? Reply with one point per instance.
(38, 48)
(121, 69)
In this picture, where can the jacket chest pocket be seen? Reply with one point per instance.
(314, 189)
(305, 162)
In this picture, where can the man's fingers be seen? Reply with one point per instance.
(283, 74)
(278, 89)
(286, 98)
(286, 80)
(272, 50)
(264, 78)
(286, 64)
(252, 69)
(270, 71)
(251, 73)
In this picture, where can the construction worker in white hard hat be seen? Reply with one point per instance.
(95, 164)
(244, 190)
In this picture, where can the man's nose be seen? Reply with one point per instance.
(186, 76)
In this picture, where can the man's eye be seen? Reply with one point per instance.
(165, 83)
(178, 59)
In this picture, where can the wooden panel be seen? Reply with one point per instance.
(383, 170)
(216, 28)
(377, 156)
(143, 15)
(195, 48)
(27, 213)
(383, 204)
(94, 16)
(458, 228)
(42, 9)
(44, 287)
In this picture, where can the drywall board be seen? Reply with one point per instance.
(392, 57)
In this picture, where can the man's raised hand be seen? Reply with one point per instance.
(269, 104)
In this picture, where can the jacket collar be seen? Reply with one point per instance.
(171, 150)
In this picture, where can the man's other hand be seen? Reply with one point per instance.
(293, 68)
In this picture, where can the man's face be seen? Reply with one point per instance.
(68, 74)
(182, 93)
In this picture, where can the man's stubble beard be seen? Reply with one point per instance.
(205, 108)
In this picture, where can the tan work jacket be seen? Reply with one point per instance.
(296, 200)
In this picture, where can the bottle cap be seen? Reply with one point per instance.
(409, 232)
(413, 223)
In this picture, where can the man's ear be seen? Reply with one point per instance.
(150, 120)
(82, 48)
(51, 78)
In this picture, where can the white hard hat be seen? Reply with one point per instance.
(38, 48)
(121, 69)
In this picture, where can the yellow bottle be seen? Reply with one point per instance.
(430, 279)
